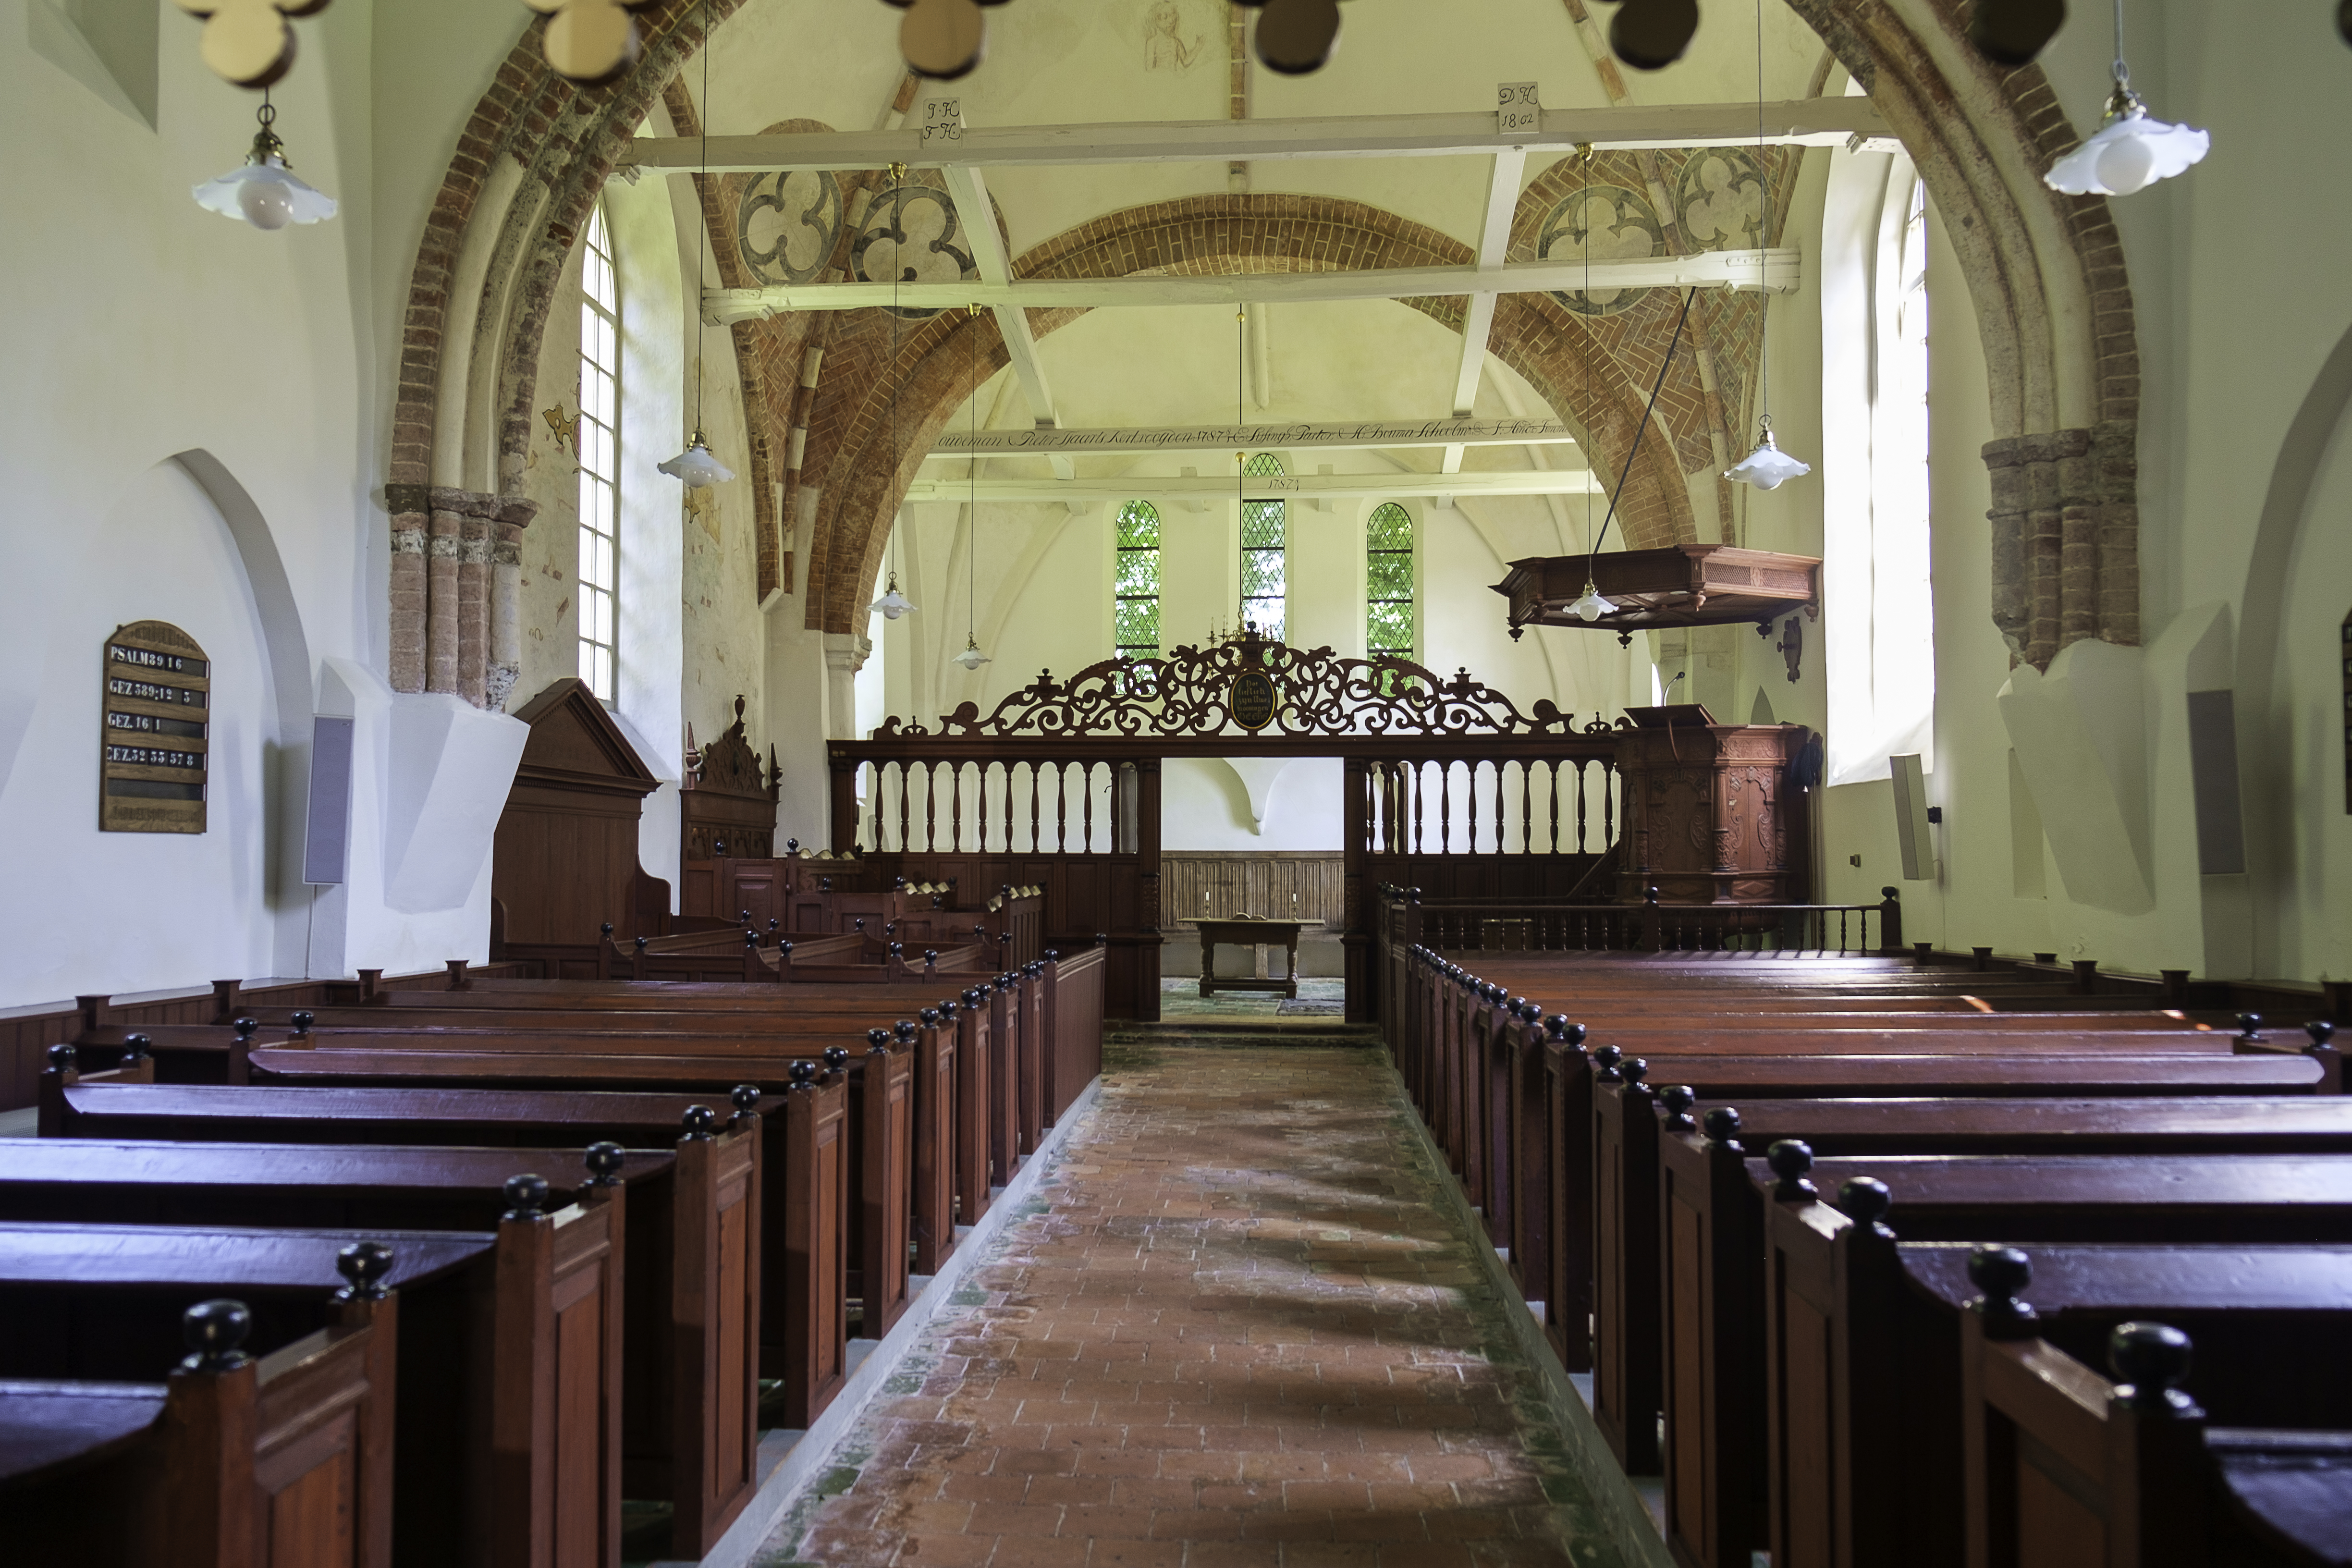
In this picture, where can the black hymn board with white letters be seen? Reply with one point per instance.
(153, 752)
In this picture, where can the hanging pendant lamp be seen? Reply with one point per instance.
(892, 603)
(972, 657)
(263, 191)
(2130, 150)
(696, 467)
(1767, 467)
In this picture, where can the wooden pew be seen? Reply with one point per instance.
(2211, 1446)
(691, 1387)
(1861, 1397)
(1708, 1222)
(284, 1461)
(881, 1166)
(801, 1255)
(506, 1445)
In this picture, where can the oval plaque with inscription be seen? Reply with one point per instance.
(1252, 700)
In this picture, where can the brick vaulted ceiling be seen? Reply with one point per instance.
(2046, 273)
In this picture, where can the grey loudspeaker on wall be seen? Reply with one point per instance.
(327, 832)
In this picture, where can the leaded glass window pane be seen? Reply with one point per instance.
(597, 443)
(1264, 543)
(1135, 592)
(1388, 583)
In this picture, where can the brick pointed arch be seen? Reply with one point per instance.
(2046, 272)
(868, 455)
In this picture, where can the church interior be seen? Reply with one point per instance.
(1642, 858)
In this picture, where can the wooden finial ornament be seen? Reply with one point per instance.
(249, 42)
(590, 41)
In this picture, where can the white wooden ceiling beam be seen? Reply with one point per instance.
(1324, 435)
(1210, 488)
(1493, 241)
(1779, 271)
(1807, 122)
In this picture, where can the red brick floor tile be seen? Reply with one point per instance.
(1239, 1331)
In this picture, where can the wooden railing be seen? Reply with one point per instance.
(1560, 805)
(1540, 925)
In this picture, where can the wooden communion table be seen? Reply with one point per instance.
(1250, 932)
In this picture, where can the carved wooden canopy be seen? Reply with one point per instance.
(1680, 585)
(1221, 690)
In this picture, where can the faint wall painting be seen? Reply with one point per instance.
(912, 234)
(1600, 223)
(1721, 198)
(786, 225)
(1174, 38)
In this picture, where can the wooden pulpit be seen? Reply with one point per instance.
(1705, 814)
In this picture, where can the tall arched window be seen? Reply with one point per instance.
(600, 462)
(1389, 622)
(1134, 585)
(1264, 575)
(1880, 606)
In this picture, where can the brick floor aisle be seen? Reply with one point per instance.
(1232, 1329)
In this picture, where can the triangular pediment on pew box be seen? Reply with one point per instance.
(575, 744)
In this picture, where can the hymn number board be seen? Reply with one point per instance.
(152, 764)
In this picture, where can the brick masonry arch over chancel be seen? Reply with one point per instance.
(2045, 272)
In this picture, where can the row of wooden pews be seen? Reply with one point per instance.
(593, 1237)
(1876, 1262)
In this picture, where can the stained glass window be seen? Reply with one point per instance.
(1135, 606)
(1389, 622)
(1264, 529)
(599, 442)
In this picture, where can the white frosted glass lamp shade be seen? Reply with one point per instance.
(1768, 468)
(1592, 607)
(696, 467)
(264, 194)
(892, 603)
(972, 657)
(2129, 153)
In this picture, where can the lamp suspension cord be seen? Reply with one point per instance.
(1584, 217)
(897, 270)
(1241, 459)
(702, 227)
(971, 508)
(1639, 430)
(2123, 73)
(1763, 239)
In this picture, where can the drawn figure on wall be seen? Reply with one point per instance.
(1165, 48)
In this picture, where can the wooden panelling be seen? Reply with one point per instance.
(1307, 885)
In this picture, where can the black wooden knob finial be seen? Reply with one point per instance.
(136, 1049)
(641, 944)
(62, 1056)
(526, 1196)
(1606, 1058)
(947, 1010)
(1634, 1071)
(1678, 1099)
(751, 939)
(2001, 1273)
(2322, 1033)
(697, 1124)
(785, 948)
(929, 1016)
(242, 1028)
(1722, 1126)
(2250, 1025)
(302, 1022)
(801, 1074)
(607, 928)
(604, 1160)
(878, 1038)
(2150, 1359)
(745, 1099)
(1865, 1200)
(905, 1031)
(363, 1265)
(773, 922)
(974, 997)
(1790, 1158)
(897, 950)
(213, 1331)
(836, 1057)
(859, 924)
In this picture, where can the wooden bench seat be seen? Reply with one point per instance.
(1693, 1307)
(689, 1228)
(2220, 1450)
(1854, 1404)
(280, 1461)
(508, 1456)
(802, 1244)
